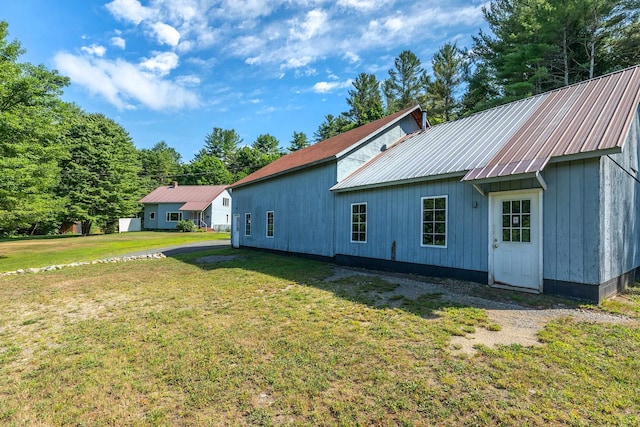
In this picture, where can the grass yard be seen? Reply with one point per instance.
(50, 250)
(264, 340)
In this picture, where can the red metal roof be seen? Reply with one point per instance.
(585, 117)
(327, 149)
(194, 206)
(184, 194)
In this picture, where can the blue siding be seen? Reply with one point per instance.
(303, 210)
(394, 213)
(571, 222)
(620, 222)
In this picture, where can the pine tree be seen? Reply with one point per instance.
(407, 82)
(364, 100)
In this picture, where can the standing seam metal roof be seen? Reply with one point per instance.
(516, 138)
(586, 117)
(445, 149)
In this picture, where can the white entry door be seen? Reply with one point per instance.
(235, 231)
(515, 239)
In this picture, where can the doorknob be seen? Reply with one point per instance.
(495, 243)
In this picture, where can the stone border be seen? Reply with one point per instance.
(78, 264)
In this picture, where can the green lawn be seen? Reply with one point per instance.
(45, 251)
(264, 340)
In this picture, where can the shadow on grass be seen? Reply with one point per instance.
(359, 287)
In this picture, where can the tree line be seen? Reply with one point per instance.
(60, 164)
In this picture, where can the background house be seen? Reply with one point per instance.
(208, 206)
(539, 195)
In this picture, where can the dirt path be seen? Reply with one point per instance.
(519, 324)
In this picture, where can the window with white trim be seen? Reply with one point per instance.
(247, 224)
(152, 216)
(174, 216)
(225, 201)
(358, 223)
(270, 224)
(434, 221)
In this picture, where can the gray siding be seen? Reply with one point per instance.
(620, 222)
(150, 224)
(369, 149)
(394, 214)
(303, 210)
(571, 222)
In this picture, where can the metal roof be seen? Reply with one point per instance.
(195, 206)
(445, 149)
(583, 118)
(521, 137)
(327, 149)
(184, 194)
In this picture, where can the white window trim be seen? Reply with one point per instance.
(172, 212)
(446, 221)
(267, 225)
(366, 223)
(247, 215)
(152, 216)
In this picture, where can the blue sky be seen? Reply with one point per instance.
(172, 70)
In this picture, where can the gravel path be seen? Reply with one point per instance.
(519, 324)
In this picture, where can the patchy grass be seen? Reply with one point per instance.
(266, 341)
(44, 251)
(627, 303)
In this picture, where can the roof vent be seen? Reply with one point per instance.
(424, 119)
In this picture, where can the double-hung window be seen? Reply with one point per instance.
(174, 216)
(247, 224)
(359, 223)
(225, 201)
(270, 224)
(434, 221)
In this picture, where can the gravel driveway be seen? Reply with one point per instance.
(519, 324)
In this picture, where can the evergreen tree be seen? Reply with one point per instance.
(332, 126)
(267, 144)
(298, 142)
(222, 144)
(364, 100)
(407, 83)
(449, 66)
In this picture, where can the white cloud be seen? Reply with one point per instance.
(325, 87)
(188, 81)
(122, 83)
(118, 42)
(94, 49)
(129, 10)
(166, 34)
(352, 57)
(315, 23)
(364, 5)
(161, 64)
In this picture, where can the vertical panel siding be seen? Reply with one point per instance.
(571, 222)
(372, 148)
(149, 223)
(303, 211)
(620, 222)
(395, 214)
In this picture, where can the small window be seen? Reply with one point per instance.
(516, 221)
(359, 223)
(434, 221)
(225, 201)
(270, 224)
(152, 216)
(247, 224)
(174, 216)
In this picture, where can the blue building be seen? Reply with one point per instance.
(538, 195)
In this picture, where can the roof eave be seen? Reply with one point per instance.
(398, 182)
(284, 172)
